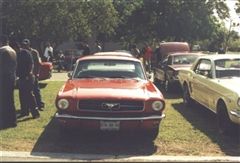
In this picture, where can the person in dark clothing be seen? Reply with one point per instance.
(86, 50)
(135, 51)
(36, 70)
(60, 61)
(8, 63)
(157, 56)
(98, 47)
(26, 83)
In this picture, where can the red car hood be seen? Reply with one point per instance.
(110, 88)
(180, 67)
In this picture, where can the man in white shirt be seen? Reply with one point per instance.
(48, 53)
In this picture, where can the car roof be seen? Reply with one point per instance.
(220, 56)
(114, 53)
(187, 53)
(110, 55)
(124, 51)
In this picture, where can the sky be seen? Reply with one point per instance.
(233, 15)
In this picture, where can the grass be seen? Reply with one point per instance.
(184, 131)
(28, 130)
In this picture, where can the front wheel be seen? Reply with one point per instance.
(150, 135)
(225, 126)
(187, 100)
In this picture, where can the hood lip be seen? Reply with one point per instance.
(73, 91)
(76, 84)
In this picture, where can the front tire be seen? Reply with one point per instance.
(225, 126)
(187, 100)
(150, 135)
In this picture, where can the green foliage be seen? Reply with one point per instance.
(234, 44)
(171, 20)
(59, 20)
(121, 20)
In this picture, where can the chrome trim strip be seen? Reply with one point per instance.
(110, 118)
(235, 114)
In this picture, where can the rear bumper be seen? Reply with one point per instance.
(126, 123)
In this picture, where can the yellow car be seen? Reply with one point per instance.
(214, 82)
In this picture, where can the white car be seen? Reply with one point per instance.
(214, 82)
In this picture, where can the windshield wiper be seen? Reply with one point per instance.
(88, 76)
(122, 77)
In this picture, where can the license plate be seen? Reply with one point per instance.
(109, 125)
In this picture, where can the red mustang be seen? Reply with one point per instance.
(110, 91)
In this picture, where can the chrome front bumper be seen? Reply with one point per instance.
(67, 116)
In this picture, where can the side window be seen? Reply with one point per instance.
(204, 68)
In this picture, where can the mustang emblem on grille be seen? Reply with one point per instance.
(110, 106)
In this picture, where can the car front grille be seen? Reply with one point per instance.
(111, 105)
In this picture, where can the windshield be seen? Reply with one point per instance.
(109, 69)
(227, 68)
(184, 59)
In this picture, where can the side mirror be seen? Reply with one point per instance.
(149, 76)
(69, 74)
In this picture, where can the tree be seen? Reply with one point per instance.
(121, 20)
(171, 20)
(60, 20)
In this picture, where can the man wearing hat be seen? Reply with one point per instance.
(26, 82)
(36, 69)
(8, 63)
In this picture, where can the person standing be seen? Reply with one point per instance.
(135, 51)
(157, 55)
(98, 47)
(60, 61)
(86, 49)
(26, 83)
(36, 69)
(8, 63)
(48, 53)
(147, 57)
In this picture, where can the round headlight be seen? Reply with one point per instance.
(157, 105)
(63, 104)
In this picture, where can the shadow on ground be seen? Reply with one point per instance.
(205, 121)
(42, 85)
(174, 93)
(55, 141)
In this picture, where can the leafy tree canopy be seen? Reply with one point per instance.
(125, 20)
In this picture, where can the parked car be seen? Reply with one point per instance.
(213, 81)
(45, 71)
(167, 71)
(110, 93)
(166, 48)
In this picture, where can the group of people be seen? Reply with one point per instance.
(145, 54)
(19, 62)
(86, 50)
